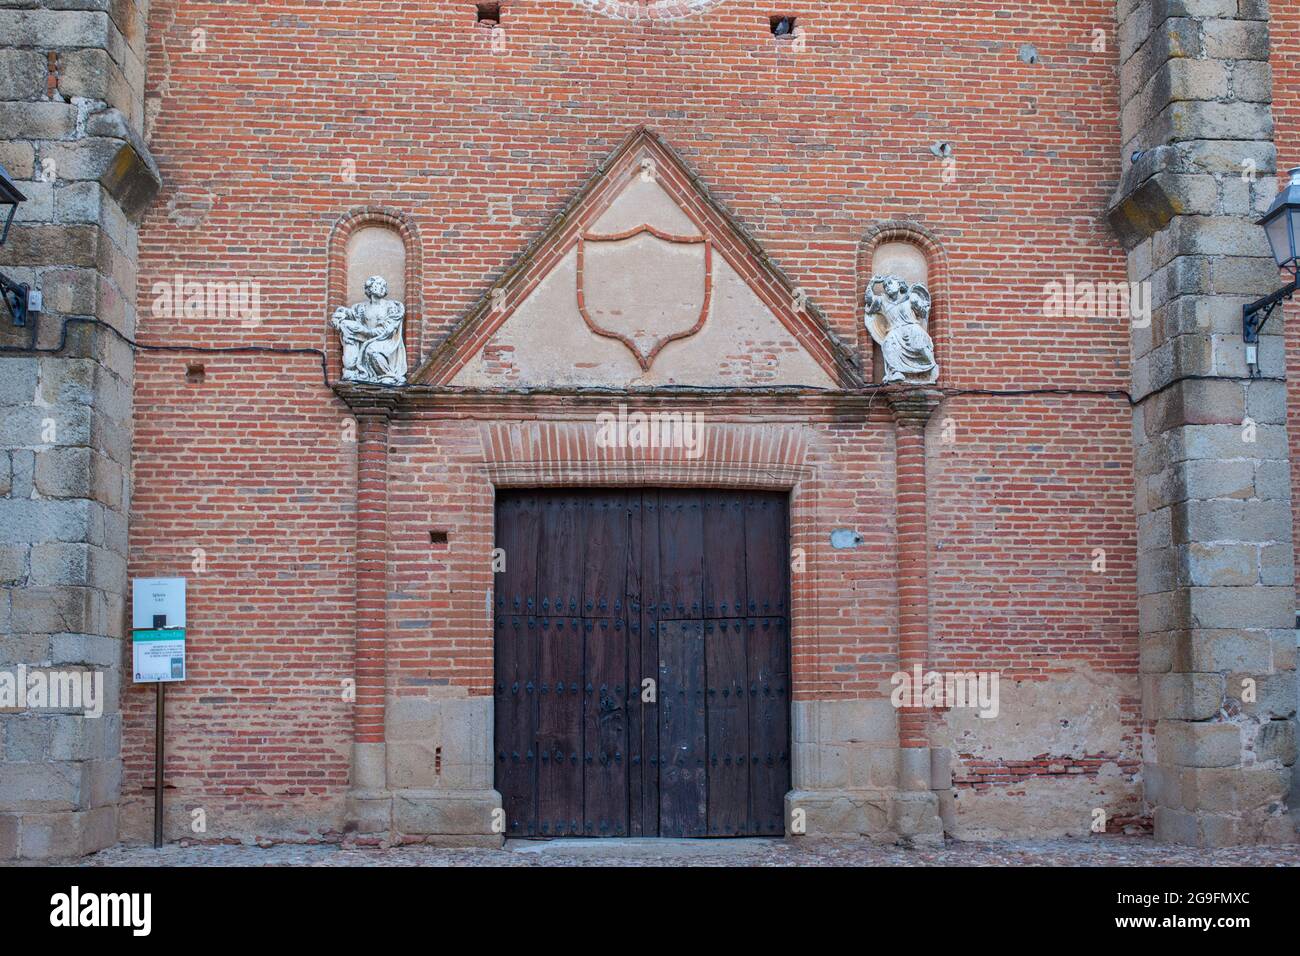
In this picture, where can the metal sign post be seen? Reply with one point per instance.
(158, 657)
(160, 721)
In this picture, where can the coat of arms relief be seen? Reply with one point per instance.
(644, 287)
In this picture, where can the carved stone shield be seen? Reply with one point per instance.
(644, 287)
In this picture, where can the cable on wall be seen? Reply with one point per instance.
(872, 387)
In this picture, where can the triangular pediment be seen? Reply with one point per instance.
(643, 281)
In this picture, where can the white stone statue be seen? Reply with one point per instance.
(896, 319)
(371, 332)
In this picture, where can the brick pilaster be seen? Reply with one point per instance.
(912, 410)
(372, 533)
(914, 811)
(369, 813)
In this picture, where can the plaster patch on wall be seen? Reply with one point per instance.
(647, 289)
(643, 200)
(1058, 751)
(1044, 807)
(545, 343)
(1073, 714)
(287, 816)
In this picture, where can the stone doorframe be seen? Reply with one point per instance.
(852, 773)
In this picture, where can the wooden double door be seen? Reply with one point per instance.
(642, 663)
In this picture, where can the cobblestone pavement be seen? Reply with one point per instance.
(1104, 851)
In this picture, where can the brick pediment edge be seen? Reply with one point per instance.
(806, 323)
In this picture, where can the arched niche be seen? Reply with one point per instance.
(901, 258)
(912, 252)
(369, 242)
(376, 250)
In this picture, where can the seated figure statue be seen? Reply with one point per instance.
(371, 333)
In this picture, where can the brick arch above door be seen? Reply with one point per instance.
(761, 456)
(570, 453)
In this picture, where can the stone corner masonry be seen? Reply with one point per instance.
(1212, 470)
(71, 112)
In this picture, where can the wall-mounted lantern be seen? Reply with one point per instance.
(17, 295)
(1282, 226)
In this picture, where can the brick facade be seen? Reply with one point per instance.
(813, 171)
(333, 641)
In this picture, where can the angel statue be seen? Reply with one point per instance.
(371, 332)
(896, 320)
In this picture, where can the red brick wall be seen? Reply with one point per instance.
(809, 148)
(1286, 115)
(440, 631)
(254, 471)
(1033, 563)
(1021, 497)
(1285, 59)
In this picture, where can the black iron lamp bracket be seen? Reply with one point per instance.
(1255, 314)
(17, 296)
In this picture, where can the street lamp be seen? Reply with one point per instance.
(1282, 226)
(17, 295)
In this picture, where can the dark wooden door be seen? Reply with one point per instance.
(642, 676)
